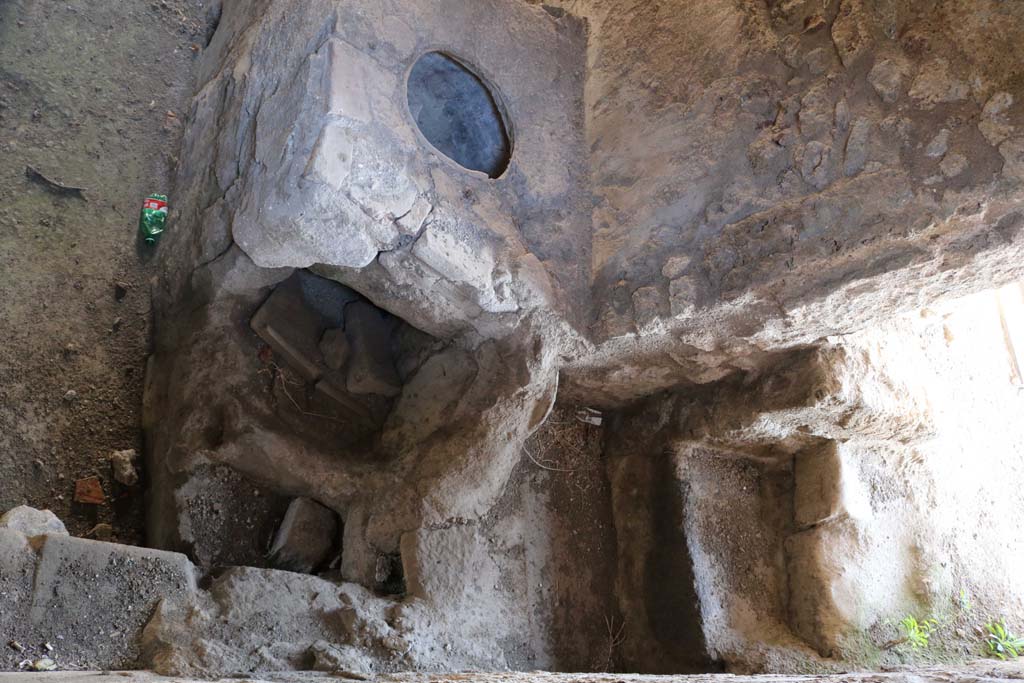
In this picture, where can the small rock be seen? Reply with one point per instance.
(44, 664)
(387, 570)
(815, 22)
(123, 465)
(997, 105)
(1012, 152)
(89, 491)
(70, 395)
(32, 522)
(116, 325)
(848, 34)
(335, 348)
(291, 329)
(818, 61)
(396, 643)
(682, 296)
(857, 147)
(646, 305)
(102, 532)
(994, 124)
(371, 369)
(815, 164)
(121, 290)
(935, 84)
(953, 165)
(939, 144)
(792, 55)
(346, 660)
(675, 266)
(304, 540)
(886, 78)
(842, 114)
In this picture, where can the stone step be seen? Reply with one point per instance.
(88, 599)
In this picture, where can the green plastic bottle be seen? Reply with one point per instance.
(153, 217)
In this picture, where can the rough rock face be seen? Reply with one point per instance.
(769, 173)
(346, 175)
(823, 502)
(697, 195)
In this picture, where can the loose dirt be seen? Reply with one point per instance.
(92, 95)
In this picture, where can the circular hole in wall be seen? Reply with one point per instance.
(458, 114)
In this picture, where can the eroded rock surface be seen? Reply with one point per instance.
(785, 152)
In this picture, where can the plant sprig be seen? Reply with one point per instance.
(915, 633)
(1001, 643)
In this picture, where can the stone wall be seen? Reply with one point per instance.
(766, 174)
(836, 494)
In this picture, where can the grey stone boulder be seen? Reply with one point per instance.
(340, 658)
(304, 540)
(335, 348)
(372, 365)
(32, 522)
(291, 328)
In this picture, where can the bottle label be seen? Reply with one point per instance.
(155, 204)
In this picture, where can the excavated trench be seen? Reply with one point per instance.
(334, 373)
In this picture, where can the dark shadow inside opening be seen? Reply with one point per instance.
(458, 114)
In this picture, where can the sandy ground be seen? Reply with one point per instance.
(94, 95)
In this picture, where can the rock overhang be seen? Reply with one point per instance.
(339, 176)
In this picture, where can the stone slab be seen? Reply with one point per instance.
(291, 328)
(305, 538)
(92, 599)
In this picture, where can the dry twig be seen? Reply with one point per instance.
(53, 185)
(542, 465)
(616, 636)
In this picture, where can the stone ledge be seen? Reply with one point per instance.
(982, 671)
(89, 599)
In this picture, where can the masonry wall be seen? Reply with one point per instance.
(769, 173)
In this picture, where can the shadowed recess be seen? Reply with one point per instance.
(458, 114)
